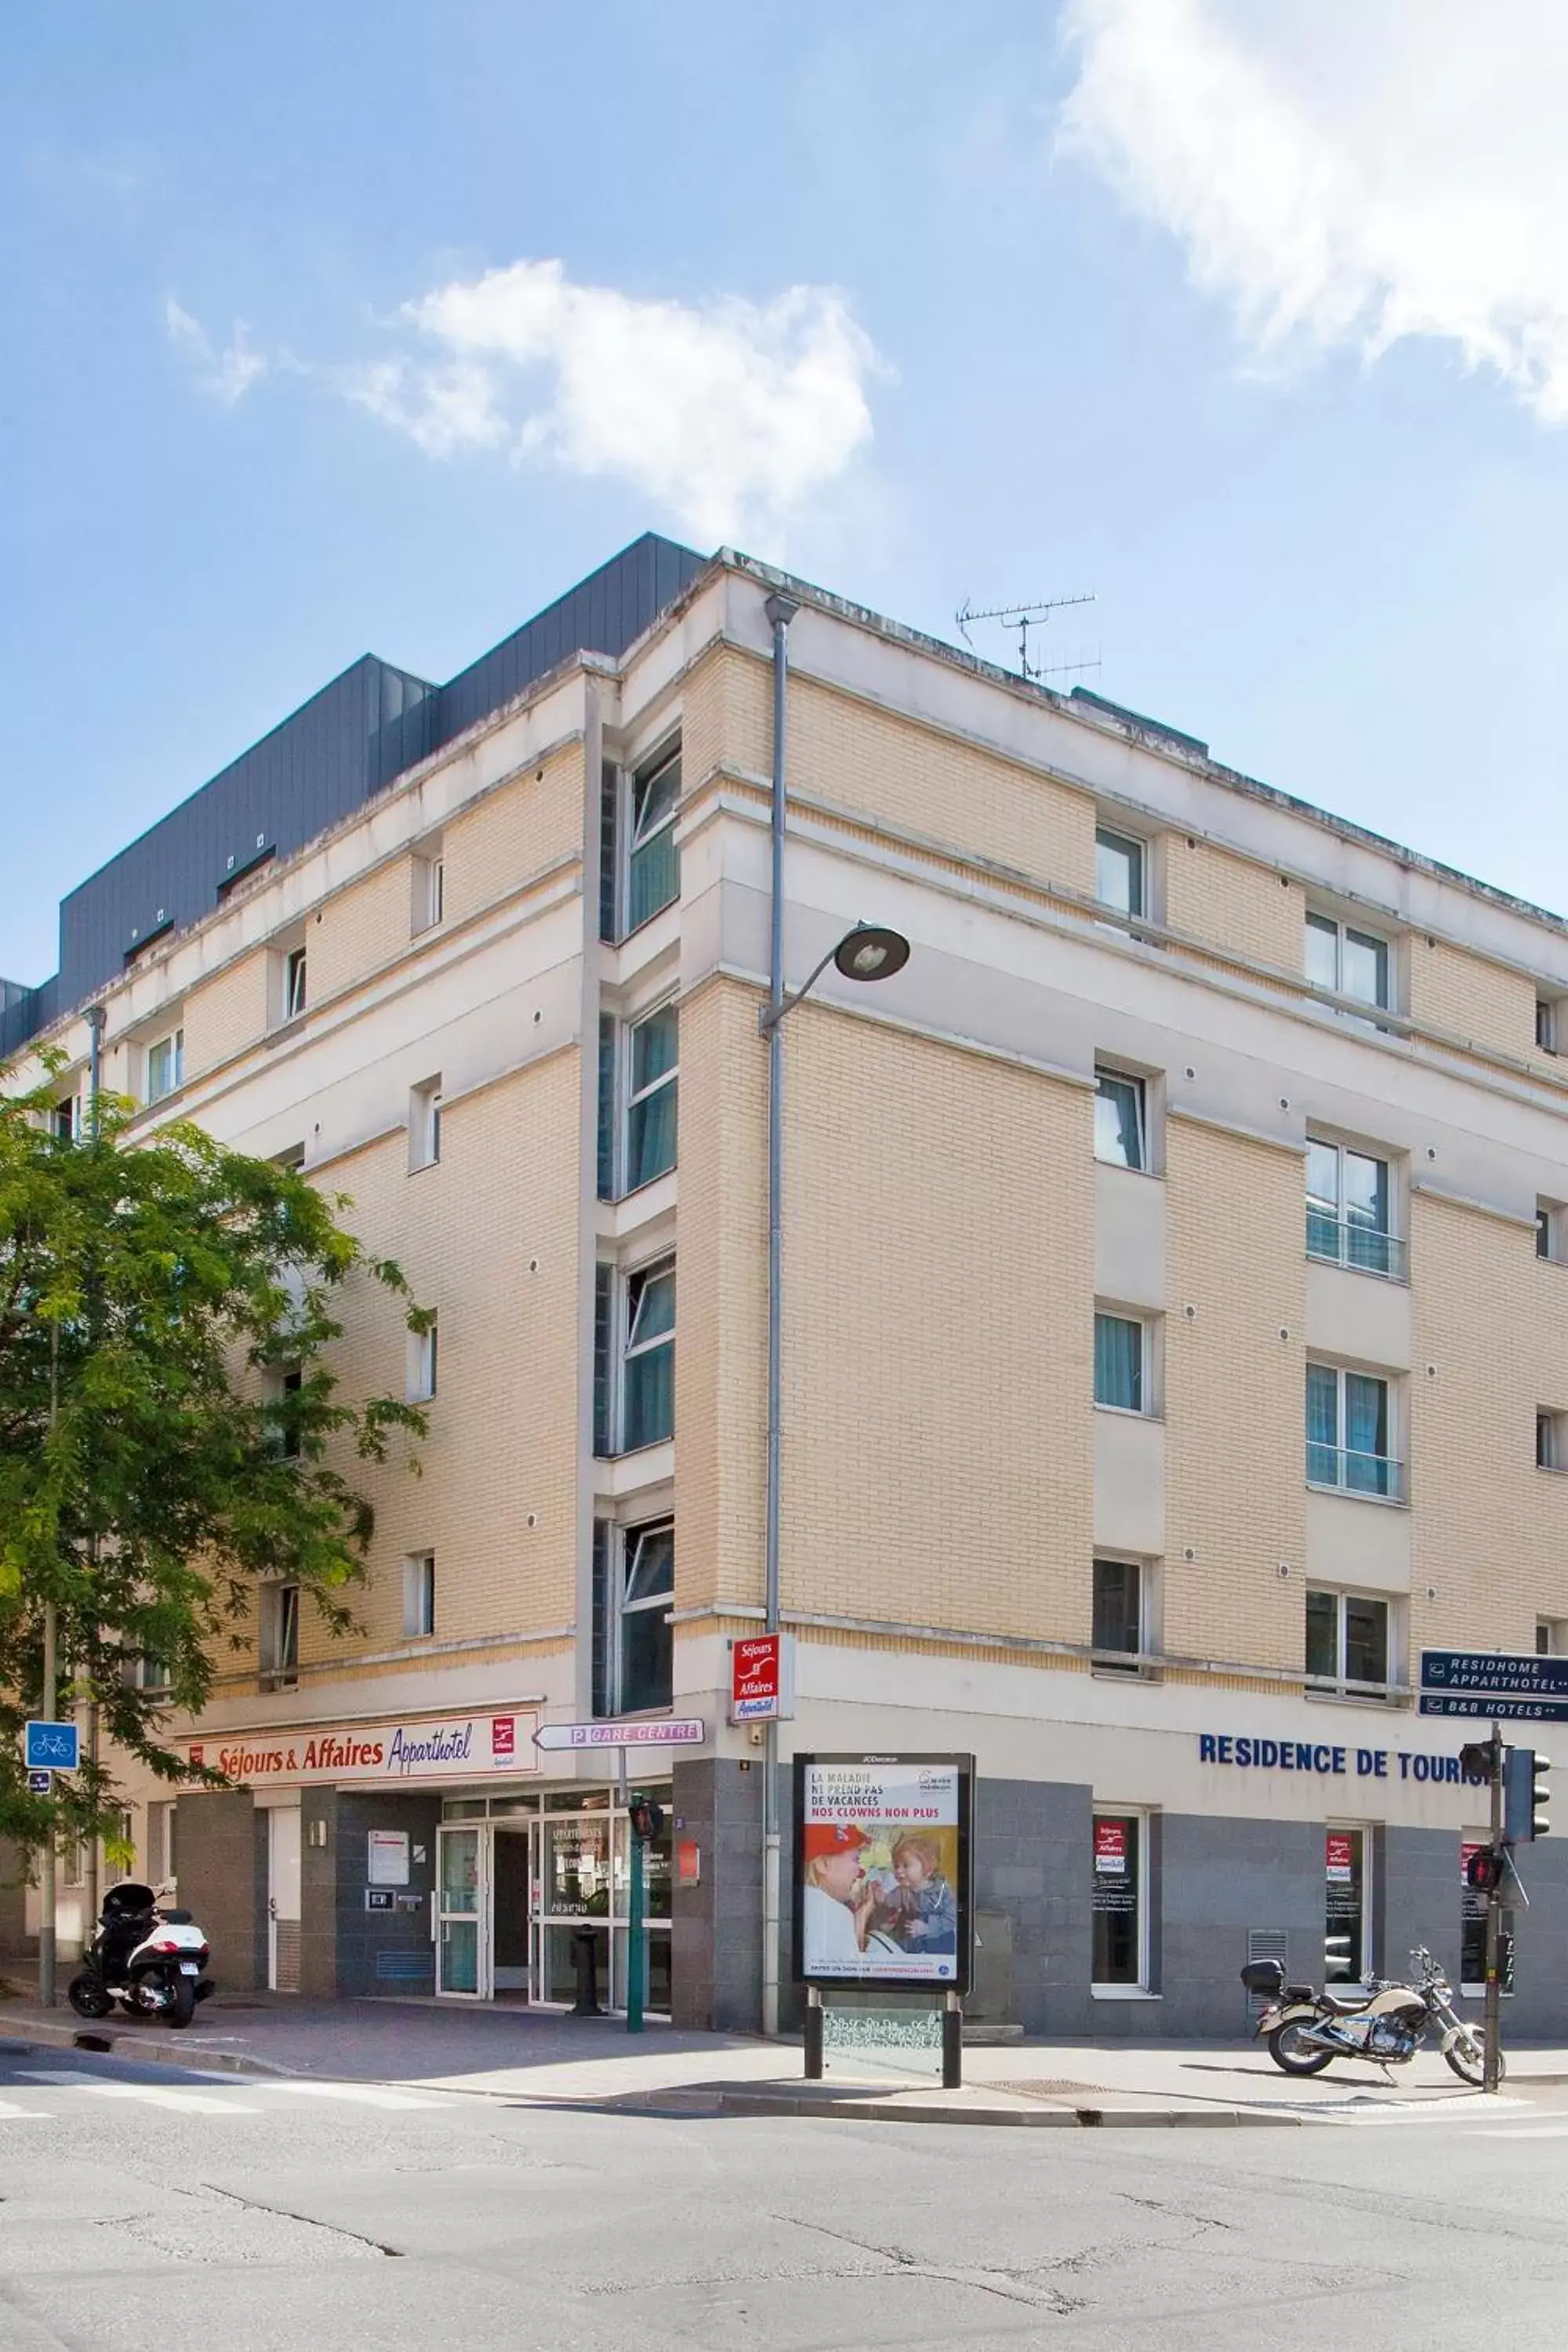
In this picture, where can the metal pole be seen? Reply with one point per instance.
(96, 1018)
(636, 1934)
(1493, 2007)
(780, 611)
(47, 1863)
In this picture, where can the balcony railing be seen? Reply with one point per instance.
(1353, 1473)
(1339, 1241)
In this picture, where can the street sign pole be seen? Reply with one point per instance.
(47, 1859)
(637, 1933)
(1494, 2008)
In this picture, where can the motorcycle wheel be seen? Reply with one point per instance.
(1286, 2049)
(88, 1997)
(183, 2006)
(1466, 2056)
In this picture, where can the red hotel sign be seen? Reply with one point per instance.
(761, 1678)
(411, 1750)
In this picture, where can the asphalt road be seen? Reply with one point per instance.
(148, 2208)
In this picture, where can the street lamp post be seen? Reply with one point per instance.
(867, 952)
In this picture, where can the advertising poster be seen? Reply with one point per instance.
(1111, 1849)
(881, 1883)
(1340, 1857)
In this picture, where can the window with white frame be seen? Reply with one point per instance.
(1349, 1644)
(1550, 1439)
(1123, 1634)
(282, 1391)
(1349, 1433)
(138, 1671)
(420, 1595)
(64, 1117)
(161, 1848)
(1548, 1025)
(1350, 1209)
(424, 1362)
(1551, 1637)
(1118, 1902)
(1351, 961)
(1347, 1905)
(1121, 871)
(278, 1634)
(1549, 1224)
(645, 1649)
(1121, 1363)
(639, 1071)
(425, 1124)
(165, 1065)
(429, 888)
(295, 988)
(1120, 1119)
(648, 1360)
(639, 863)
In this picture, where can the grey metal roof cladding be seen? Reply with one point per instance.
(348, 743)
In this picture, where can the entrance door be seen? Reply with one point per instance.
(462, 1910)
(283, 1898)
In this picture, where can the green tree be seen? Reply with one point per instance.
(158, 1454)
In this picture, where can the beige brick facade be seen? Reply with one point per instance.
(1211, 895)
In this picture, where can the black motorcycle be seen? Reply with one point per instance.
(1383, 2022)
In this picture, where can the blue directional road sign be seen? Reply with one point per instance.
(1470, 1704)
(51, 1748)
(1501, 1674)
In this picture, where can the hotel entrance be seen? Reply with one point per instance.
(519, 1878)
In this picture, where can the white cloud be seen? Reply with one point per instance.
(1348, 172)
(227, 374)
(728, 414)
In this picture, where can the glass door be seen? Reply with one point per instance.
(462, 1910)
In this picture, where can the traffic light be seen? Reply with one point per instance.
(1526, 1795)
(1483, 1870)
(1480, 1760)
(648, 1819)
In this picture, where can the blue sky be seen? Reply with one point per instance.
(1253, 323)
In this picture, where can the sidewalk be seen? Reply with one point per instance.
(544, 2058)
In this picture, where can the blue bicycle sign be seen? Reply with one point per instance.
(50, 1746)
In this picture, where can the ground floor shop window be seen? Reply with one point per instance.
(1347, 1919)
(1119, 1903)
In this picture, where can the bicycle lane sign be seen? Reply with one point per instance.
(51, 1748)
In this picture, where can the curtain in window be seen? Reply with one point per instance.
(1322, 1425)
(1118, 1586)
(1322, 1200)
(650, 1398)
(654, 878)
(1118, 1362)
(646, 1651)
(1323, 1635)
(1366, 1213)
(1366, 1641)
(651, 1112)
(1366, 1433)
(1119, 1120)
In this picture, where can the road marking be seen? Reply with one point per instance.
(1431, 2111)
(1525, 2131)
(364, 2095)
(185, 2102)
(10, 2114)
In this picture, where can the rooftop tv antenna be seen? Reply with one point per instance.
(1024, 617)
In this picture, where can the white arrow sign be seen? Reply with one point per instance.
(688, 1733)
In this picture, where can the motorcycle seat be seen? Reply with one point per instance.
(1340, 2004)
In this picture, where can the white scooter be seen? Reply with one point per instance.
(147, 1959)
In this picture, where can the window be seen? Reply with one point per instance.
(641, 864)
(639, 1085)
(64, 1118)
(429, 904)
(166, 1066)
(1551, 1637)
(1347, 1911)
(161, 1818)
(1119, 871)
(647, 1364)
(1120, 1614)
(1347, 1643)
(139, 1672)
(419, 1594)
(1120, 1122)
(285, 1427)
(1118, 1904)
(1547, 1024)
(423, 1363)
(645, 1645)
(1550, 1439)
(1351, 963)
(1349, 1218)
(1348, 1433)
(293, 983)
(425, 1124)
(1548, 1230)
(279, 1635)
(1120, 1371)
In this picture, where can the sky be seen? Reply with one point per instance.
(374, 327)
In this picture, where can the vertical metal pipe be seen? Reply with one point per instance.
(780, 611)
(1492, 2006)
(95, 1017)
(46, 1860)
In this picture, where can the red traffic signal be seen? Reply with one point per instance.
(1484, 1870)
(647, 1819)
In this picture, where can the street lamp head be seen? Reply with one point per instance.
(871, 952)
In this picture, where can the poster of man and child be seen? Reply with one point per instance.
(880, 1871)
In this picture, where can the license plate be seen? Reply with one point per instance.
(189, 1968)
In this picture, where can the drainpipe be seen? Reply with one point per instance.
(780, 611)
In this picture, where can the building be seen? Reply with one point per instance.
(1177, 1335)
